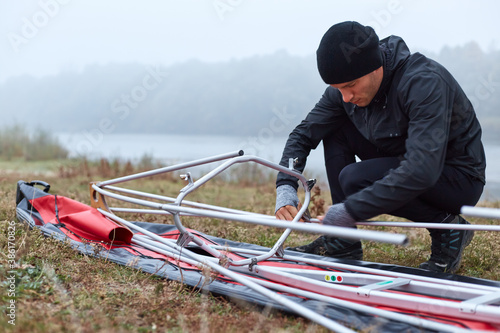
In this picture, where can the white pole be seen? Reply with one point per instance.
(351, 233)
(297, 308)
(492, 213)
(171, 168)
(423, 323)
(478, 227)
(143, 241)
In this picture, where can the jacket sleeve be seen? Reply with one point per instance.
(327, 116)
(427, 100)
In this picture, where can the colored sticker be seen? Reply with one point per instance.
(333, 278)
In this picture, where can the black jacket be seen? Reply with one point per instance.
(420, 113)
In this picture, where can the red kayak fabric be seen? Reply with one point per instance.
(80, 219)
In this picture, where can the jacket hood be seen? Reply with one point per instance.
(395, 53)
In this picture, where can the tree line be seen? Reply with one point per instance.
(237, 97)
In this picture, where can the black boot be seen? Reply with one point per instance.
(330, 246)
(447, 246)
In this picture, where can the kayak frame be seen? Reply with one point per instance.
(369, 286)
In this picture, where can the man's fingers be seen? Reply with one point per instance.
(287, 213)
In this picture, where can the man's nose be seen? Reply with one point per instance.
(347, 96)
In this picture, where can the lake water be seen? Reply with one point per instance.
(170, 149)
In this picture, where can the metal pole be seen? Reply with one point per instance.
(492, 213)
(377, 295)
(342, 232)
(171, 168)
(278, 245)
(377, 236)
(297, 308)
(194, 185)
(423, 323)
(184, 202)
(478, 227)
(143, 241)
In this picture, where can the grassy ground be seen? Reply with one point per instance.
(58, 290)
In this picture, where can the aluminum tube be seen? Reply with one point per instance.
(143, 211)
(423, 323)
(171, 168)
(403, 301)
(446, 290)
(190, 188)
(367, 270)
(415, 286)
(162, 212)
(193, 186)
(181, 228)
(478, 227)
(267, 255)
(136, 201)
(484, 289)
(184, 202)
(492, 213)
(350, 233)
(243, 159)
(147, 238)
(293, 306)
(331, 300)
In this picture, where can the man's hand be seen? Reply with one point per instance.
(288, 204)
(287, 212)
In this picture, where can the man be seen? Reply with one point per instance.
(413, 129)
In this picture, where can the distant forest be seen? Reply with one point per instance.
(238, 97)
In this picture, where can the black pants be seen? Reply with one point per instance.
(453, 189)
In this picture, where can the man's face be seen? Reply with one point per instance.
(362, 90)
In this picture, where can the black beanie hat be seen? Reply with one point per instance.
(348, 51)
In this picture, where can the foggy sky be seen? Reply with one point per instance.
(45, 37)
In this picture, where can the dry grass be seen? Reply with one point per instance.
(59, 290)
